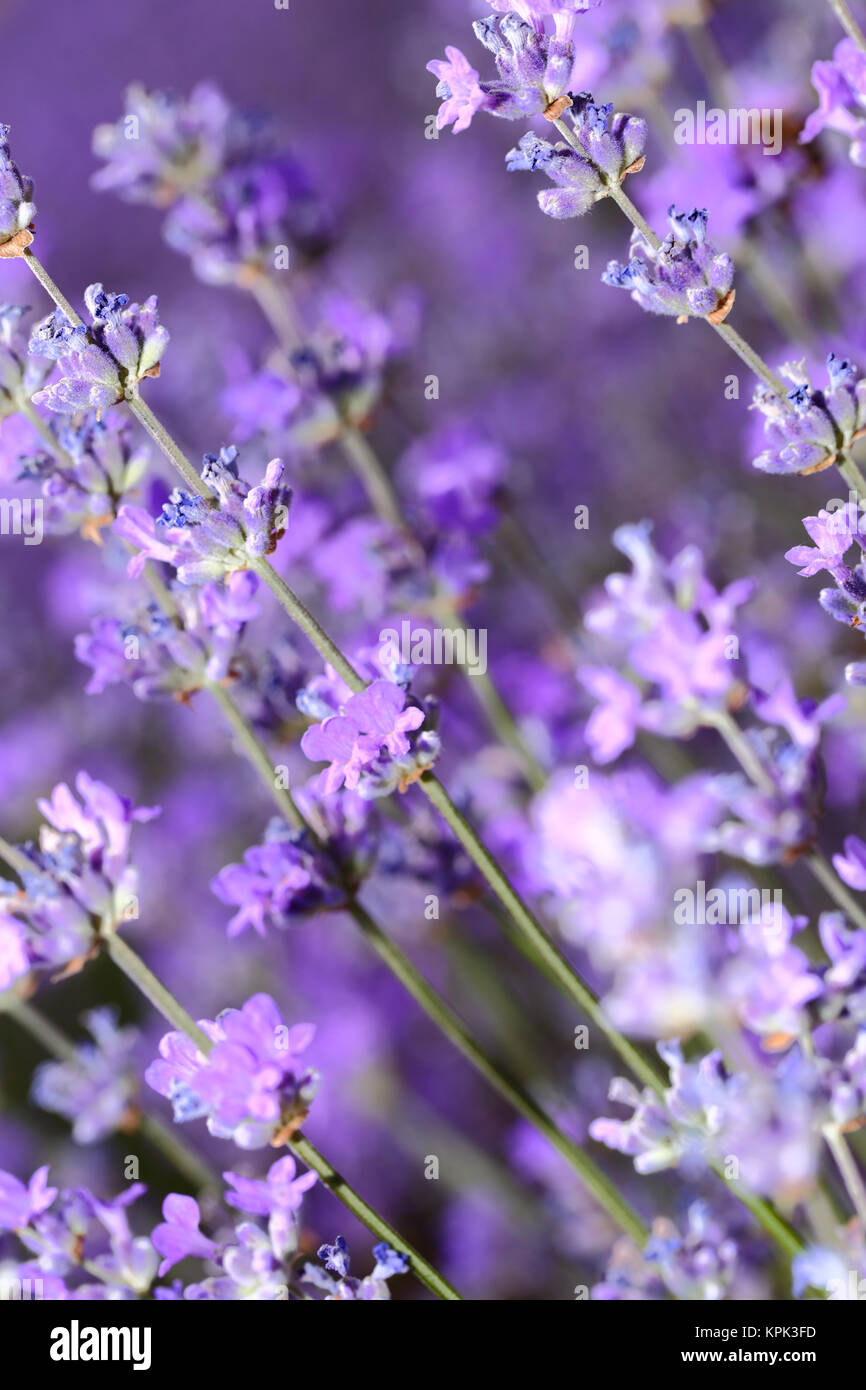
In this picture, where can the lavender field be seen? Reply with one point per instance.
(433, 751)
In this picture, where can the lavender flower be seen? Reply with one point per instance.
(81, 878)
(851, 866)
(837, 1273)
(104, 363)
(340, 1286)
(610, 148)
(667, 624)
(278, 1196)
(205, 541)
(458, 90)
(20, 1204)
(841, 87)
(807, 434)
(96, 464)
(341, 369)
(833, 534)
(368, 744)
(179, 1237)
(685, 277)
(771, 1122)
(699, 1265)
(61, 1229)
(161, 656)
(253, 1085)
(234, 197)
(535, 72)
(165, 146)
(96, 1091)
(17, 209)
(289, 877)
(20, 376)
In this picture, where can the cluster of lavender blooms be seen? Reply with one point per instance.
(374, 740)
(337, 376)
(204, 541)
(536, 66)
(78, 1247)
(290, 876)
(97, 1088)
(232, 191)
(101, 363)
(86, 459)
(699, 1265)
(833, 534)
(666, 653)
(253, 1085)
(78, 883)
(772, 1118)
(17, 209)
(841, 87)
(606, 147)
(685, 276)
(809, 430)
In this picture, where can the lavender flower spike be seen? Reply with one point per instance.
(611, 146)
(810, 436)
(253, 1086)
(841, 86)
(102, 364)
(686, 277)
(206, 542)
(535, 68)
(17, 209)
(458, 90)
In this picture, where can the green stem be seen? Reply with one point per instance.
(15, 859)
(311, 629)
(536, 944)
(447, 1021)
(436, 1009)
(309, 1154)
(848, 22)
(154, 990)
(851, 474)
(497, 713)
(256, 753)
(851, 1175)
(377, 484)
(163, 440)
(277, 309)
(38, 269)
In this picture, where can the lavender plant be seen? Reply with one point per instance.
(623, 795)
